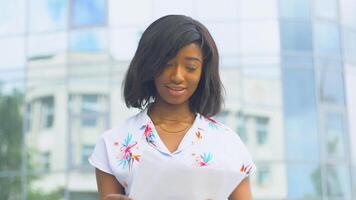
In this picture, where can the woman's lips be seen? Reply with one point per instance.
(176, 91)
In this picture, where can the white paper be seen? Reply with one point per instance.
(158, 178)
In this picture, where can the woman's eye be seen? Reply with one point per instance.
(191, 68)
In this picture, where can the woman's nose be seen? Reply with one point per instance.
(177, 74)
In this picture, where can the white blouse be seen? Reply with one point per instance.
(208, 144)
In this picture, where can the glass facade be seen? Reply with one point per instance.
(288, 67)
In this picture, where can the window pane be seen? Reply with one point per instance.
(89, 110)
(335, 136)
(326, 9)
(262, 95)
(269, 181)
(225, 9)
(300, 113)
(262, 129)
(349, 45)
(304, 181)
(241, 126)
(88, 13)
(12, 51)
(292, 33)
(350, 82)
(88, 41)
(259, 38)
(226, 36)
(49, 45)
(45, 161)
(124, 42)
(47, 15)
(12, 17)
(327, 39)
(256, 9)
(295, 9)
(88, 118)
(347, 13)
(338, 181)
(263, 175)
(163, 7)
(261, 86)
(331, 86)
(86, 152)
(47, 111)
(120, 12)
(12, 79)
(231, 78)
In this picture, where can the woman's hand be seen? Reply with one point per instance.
(116, 197)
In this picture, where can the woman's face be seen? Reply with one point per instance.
(180, 78)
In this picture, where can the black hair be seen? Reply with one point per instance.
(159, 43)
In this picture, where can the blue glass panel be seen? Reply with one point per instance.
(349, 45)
(327, 39)
(335, 136)
(326, 9)
(88, 12)
(295, 9)
(331, 86)
(12, 52)
(89, 110)
(296, 36)
(47, 15)
(88, 41)
(300, 113)
(47, 45)
(338, 181)
(12, 17)
(304, 181)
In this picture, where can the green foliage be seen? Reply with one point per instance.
(40, 195)
(11, 144)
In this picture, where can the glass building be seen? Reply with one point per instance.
(288, 67)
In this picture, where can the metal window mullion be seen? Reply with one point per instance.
(346, 135)
(24, 170)
(319, 108)
(67, 79)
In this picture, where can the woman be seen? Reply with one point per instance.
(174, 79)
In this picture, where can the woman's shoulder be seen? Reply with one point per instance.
(226, 138)
(216, 126)
(221, 131)
(129, 125)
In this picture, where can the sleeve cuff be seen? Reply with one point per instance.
(95, 163)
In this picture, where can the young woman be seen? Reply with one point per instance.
(174, 79)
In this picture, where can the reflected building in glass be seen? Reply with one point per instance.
(288, 67)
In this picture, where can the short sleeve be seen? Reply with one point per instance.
(99, 157)
(248, 166)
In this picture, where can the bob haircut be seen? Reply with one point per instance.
(159, 43)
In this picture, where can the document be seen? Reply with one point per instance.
(163, 179)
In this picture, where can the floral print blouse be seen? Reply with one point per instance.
(207, 144)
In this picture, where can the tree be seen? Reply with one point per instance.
(11, 141)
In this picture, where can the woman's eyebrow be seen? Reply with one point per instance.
(191, 58)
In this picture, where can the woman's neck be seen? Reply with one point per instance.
(164, 110)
